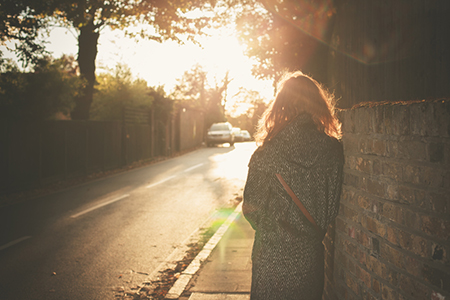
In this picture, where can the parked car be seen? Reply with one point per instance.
(245, 135)
(237, 134)
(220, 133)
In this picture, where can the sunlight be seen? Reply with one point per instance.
(164, 63)
(161, 64)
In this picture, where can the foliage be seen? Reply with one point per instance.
(49, 89)
(256, 106)
(194, 91)
(285, 35)
(191, 88)
(117, 90)
(20, 21)
(165, 20)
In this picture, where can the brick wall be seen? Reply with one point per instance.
(391, 239)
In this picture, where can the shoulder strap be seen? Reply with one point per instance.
(298, 202)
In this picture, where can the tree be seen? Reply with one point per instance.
(166, 20)
(191, 88)
(38, 95)
(254, 105)
(194, 91)
(117, 90)
(285, 35)
(20, 21)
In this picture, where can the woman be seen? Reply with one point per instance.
(298, 138)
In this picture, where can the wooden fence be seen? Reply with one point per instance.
(34, 154)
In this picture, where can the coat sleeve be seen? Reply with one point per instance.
(256, 193)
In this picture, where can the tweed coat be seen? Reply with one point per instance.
(287, 257)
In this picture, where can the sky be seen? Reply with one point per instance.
(164, 63)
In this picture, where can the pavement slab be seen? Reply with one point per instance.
(227, 272)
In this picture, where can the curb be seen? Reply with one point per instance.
(185, 277)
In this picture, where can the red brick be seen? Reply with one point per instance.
(350, 143)
(420, 246)
(376, 286)
(364, 165)
(406, 195)
(439, 202)
(393, 170)
(388, 293)
(374, 265)
(341, 259)
(400, 120)
(375, 187)
(350, 162)
(412, 287)
(437, 277)
(341, 225)
(365, 146)
(352, 232)
(412, 150)
(364, 202)
(436, 152)
(362, 238)
(392, 148)
(351, 249)
(377, 168)
(405, 239)
(413, 266)
(411, 174)
(389, 275)
(351, 180)
(391, 211)
(392, 235)
(352, 285)
(392, 255)
(361, 256)
(431, 177)
(364, 276)
(378, 119)
(349, 213)
(379, 147)
(374, 226)
(436, 227)
(410, 219)
(392, 191)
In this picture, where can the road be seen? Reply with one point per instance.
(80, 243)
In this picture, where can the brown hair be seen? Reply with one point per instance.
(298, 93)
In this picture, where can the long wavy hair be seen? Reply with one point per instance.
(298, 93)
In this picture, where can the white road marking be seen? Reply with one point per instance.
(173, 176)
(159, 182)
(194, 167)
(14, 242)
(180, 284)
(100, 205)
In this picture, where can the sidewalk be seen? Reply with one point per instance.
(226, 274)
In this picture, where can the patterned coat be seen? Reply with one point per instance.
(288, 252)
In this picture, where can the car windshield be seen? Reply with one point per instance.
(219, 127)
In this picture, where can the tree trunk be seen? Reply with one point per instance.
(87, 53)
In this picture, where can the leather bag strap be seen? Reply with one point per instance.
(298, 202)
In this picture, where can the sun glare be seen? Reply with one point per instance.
(164, 63)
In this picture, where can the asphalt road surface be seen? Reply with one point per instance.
(80, 243)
